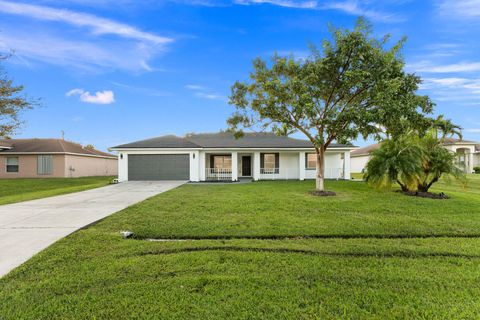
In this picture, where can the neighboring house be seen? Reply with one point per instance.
(219, 156)
(468, 154)
(44, 158)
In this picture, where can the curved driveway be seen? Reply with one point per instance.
(28, 227)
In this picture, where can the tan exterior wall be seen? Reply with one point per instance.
(27, 167)
(82, 166)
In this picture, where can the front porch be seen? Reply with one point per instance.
(287, 165)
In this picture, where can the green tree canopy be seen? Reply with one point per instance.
(12, 103)
(355, 85)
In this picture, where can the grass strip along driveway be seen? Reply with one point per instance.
(17, 190)
(265, 250)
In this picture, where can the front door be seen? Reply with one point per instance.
(246, 166)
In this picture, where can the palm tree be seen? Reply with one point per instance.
(396, 161)
(436, 162)
(447, 128)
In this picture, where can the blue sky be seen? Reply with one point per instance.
(114, 71)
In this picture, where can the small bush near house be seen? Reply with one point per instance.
(477, 170)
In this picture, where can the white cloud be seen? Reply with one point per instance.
(194, 87)
(282, 3)
(209, 96)
(100, 97)
(104, 44)
(428, 67)
(352, 7)
(475, 130)
(203, 92)
(460, 8)
(97, 25)
(37, 46)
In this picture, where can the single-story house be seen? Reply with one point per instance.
(220, 156)
(44, 158)
(468, 153)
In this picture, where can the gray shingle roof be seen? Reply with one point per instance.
(224, 140)
(11, 146)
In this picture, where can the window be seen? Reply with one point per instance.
(12, 164)
(222, 162)
(311, 161)
(269, 161)
(45, 165)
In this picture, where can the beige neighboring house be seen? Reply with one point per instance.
(55, 158)
(468, 154)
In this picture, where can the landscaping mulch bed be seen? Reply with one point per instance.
(322, 193)
(429, 195)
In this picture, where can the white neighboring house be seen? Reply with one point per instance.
(221, 157)
(468, 154)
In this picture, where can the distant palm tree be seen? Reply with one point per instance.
(447, 128)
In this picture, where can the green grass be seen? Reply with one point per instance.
(16, 190)
(426, 266)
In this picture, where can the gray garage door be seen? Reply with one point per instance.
(148, 167)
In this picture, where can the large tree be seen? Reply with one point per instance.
(12, 103)
(355, 85)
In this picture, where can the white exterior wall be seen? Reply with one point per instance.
(301, 165)
(333, 167)
(256, 166)
(122, 166)
(476, 159)
(195, 166)
(470, 153)
(292, 163)
(288, 168)
(357, 164)
(346, 165)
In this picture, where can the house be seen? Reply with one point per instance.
(222, 157)
(468, 154)
(56, 158)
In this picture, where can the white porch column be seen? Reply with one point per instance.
(256, 166)
(234, 166)
(301, 163)
(470, 162)
(346, 165)
(195, 166)
(202, 165)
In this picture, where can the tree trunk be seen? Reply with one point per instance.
(320, 186)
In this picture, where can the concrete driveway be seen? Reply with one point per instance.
(28, 227)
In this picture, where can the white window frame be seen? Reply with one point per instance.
(6, 165)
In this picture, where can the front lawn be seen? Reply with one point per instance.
(373, 256)
(16, 190)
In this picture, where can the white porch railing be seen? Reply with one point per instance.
(216, 174)
(334, 173)
(270, 173)
(285, 174)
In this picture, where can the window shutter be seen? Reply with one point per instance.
(45, 164)
(212, 161)
(277, 162)
(262, 160)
